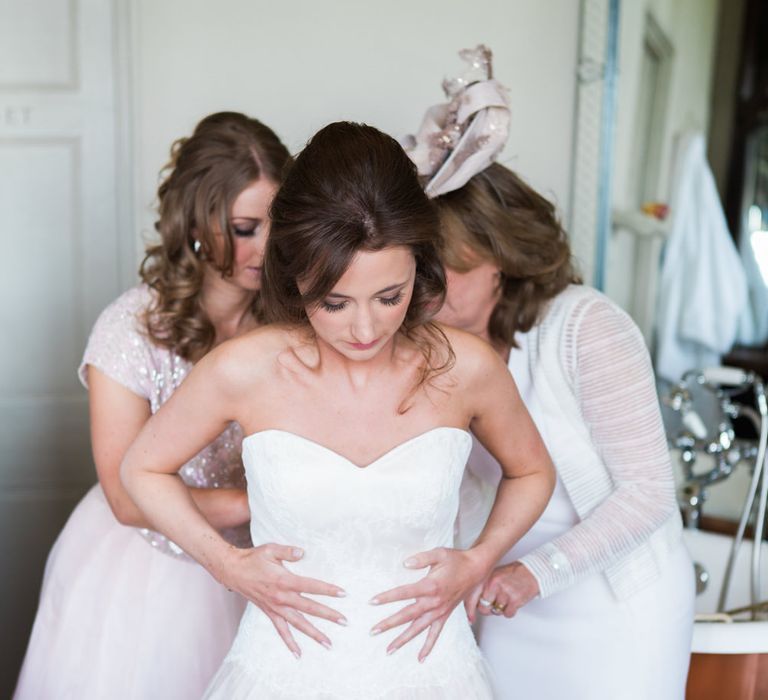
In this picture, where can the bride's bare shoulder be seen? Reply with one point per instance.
(474, 358)
(259, 355)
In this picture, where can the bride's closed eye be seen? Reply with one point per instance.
(332, 308)
(392, 301)
(387, 301)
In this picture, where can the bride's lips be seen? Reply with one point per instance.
(364, 346)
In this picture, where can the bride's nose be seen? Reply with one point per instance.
(363, 330)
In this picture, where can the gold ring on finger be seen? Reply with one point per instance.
(497, 609)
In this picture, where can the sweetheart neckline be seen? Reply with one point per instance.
(356, 466)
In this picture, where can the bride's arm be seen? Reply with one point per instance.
(502, 424)
(504, 427)
(199, 410)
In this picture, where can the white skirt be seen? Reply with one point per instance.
(583, 644)
(120, 620)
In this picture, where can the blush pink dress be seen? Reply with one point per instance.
(124, 613)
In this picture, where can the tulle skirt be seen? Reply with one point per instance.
(260, 667)
(120, 620)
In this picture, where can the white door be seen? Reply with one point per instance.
(59, 265)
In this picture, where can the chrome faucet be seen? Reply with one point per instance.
(727, 452)
(695, 438)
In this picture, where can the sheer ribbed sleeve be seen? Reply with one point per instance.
(611, 375)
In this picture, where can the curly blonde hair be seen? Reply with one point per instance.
(207, 171)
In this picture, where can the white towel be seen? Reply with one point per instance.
(703, 289)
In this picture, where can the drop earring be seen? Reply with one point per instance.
(196, 246)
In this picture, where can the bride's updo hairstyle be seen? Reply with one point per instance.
(352, 189)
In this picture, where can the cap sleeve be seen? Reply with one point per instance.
(117, 347)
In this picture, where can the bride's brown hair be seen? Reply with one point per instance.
(353, 189)
(226, 153)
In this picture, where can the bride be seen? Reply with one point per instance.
(356, 409)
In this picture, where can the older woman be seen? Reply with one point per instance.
(595, 602)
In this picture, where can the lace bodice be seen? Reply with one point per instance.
(356, 525)
(120, 349)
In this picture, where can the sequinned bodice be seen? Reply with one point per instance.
(119, 348)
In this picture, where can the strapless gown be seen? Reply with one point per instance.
(356, 525)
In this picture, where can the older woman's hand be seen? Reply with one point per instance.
(507, 589)
(453, 573)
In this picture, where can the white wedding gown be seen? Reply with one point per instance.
(356, 525)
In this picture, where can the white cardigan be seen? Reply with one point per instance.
(594, 380)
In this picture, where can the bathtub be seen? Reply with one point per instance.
(730, 660)
(712, 552)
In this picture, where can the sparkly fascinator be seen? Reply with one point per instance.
(463, 136)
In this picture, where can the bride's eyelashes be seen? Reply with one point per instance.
(387, 301)
(332, 308)
(392, 301)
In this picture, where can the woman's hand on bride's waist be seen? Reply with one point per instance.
(259, 575)
(453, 574)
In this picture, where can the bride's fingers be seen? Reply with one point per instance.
(285, 633)
(283, 552)
(303, 584)
(434, 632)
(413, 630)
(425, 559)
(297, 620)
(407, 614)
(407, 592)
(311, 607)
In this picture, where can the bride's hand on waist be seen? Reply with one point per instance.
(453, 574)
(259, 575)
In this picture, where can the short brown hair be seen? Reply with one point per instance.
(498, 218)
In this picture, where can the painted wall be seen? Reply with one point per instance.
(300, 64)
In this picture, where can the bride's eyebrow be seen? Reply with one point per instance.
(391, 288)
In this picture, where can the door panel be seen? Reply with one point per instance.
(59, 267)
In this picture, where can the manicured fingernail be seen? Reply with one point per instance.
(374, 601)
(391, 651)
(375, 631)
(297, 654)
(410, 563)
(421, 659)
(341, 594)
(298, 553)
(342, 621)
